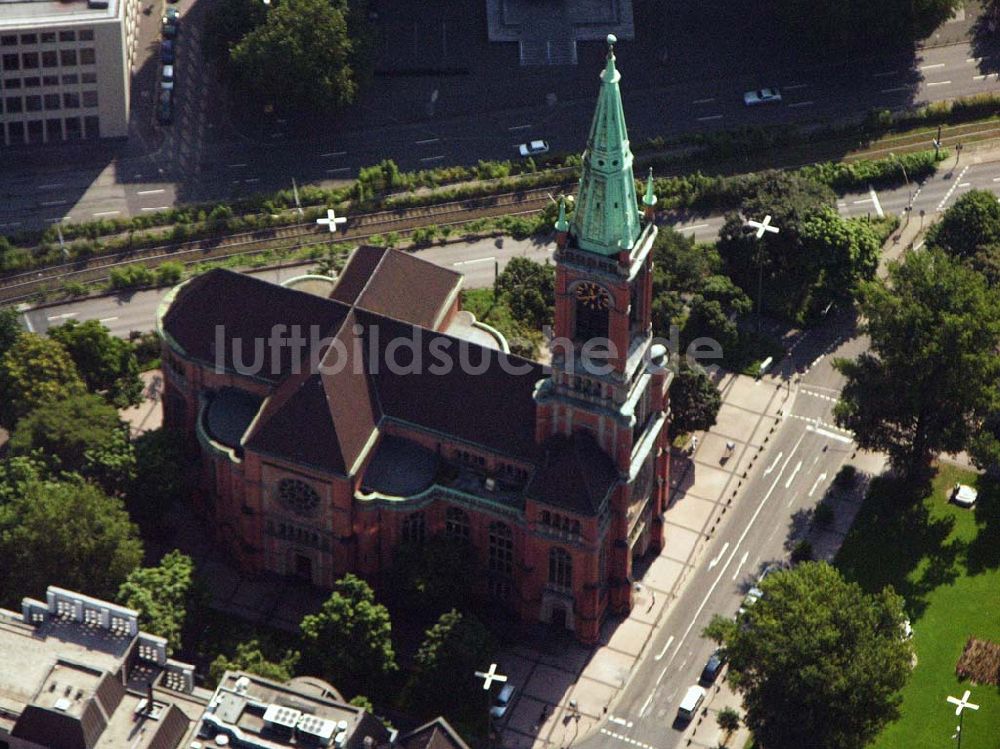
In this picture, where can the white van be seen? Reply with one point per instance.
(689, 705)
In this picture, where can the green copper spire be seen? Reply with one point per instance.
(650, 197)
(561, 223)
(607, 219)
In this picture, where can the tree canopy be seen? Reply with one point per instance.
(107, 364)
(930, 377)
(67, 533)
(10, 328)
(161, 475)
(350, 639)
(80, 434)
(299, 57)
(819, 662)
(33, 371)
(444, 667)
(694, 401)
(250, 657)
(529, 290)
(161, 595)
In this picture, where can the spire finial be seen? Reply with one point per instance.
(562, 225)
(612, 41)
(650, 197)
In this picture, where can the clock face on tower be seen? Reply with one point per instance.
(593, 296)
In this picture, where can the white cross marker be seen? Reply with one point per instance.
(491, 676)
(331, 220)
(963, 703)
(763, 226)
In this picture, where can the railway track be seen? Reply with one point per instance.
(20, 286)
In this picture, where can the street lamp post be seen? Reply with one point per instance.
(909, 187)
(761, 227)
(961, 705)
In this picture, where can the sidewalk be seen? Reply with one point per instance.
(557, 673)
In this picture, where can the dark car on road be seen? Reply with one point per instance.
(712, 668)
(165, 108)
(167, 52)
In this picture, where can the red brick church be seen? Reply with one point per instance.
(333, 424)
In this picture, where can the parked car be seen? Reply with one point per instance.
(753, 595)
(168, 72)
(503, 701)
(712, 668)
(964, 495)
(167, 52)
(533, 148)
(165, 108)
(170, 28)
(172, 15)
(762, 96)
(693, 698)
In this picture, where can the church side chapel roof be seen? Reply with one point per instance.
(575, 473)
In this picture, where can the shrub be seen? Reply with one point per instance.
(169, 273)
(131, 276)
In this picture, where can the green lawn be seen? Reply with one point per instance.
(945, 561)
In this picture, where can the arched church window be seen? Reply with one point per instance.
(501, 560)
(456, 524)
(298, 496)
(560, 568)
(414, 528)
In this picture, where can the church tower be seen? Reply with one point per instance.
(608, 382)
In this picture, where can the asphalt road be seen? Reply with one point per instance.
(79, 184)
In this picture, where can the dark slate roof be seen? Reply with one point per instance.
(574, 473)
(247, 309)
(400, 468)
(494, 408)
(359, 269)
(437, 734)
(56, 730)
(229, 414)
(407, 288)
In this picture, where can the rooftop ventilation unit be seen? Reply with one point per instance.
(320, 729)
(242, 684)
(283, 717)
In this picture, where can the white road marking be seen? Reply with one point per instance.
(980, 77)
(107, 213)
(886, 74)
(878, 206)
(796, 86)
(742, 537)
(427, 141)
(826, 433)
(710, 117)
(236, 166)
(433, 158)
(339, 170)
(52, 186)
(477, 260)
(948, 194)
(774, 464)
(252, 180)
(895, 90)
(332, 154)
(718, 559)
(49, 203)
(931, 67)
(709, 100)
(108, 319)
(660, 677)
(939, 83)
(819, 480)
(965, 184)
(63, 316)
(743, 560)
(801, 104)
(665, 649)
(619, 721)
(151, 192)
(519, 127)
(791, 478)
(627, 740)
(158, 208)
(691, 228)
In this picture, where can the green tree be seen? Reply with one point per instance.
(707, 318)
(844, 251)
(528, 288)
(81, 434)
(299, 57)
(350, 640)
(818, 661)
(444, 667)
(422, 576)
(728, 720)
(930, 377)
(250, 657)
(971, 223)
(694, 401)
(161, 476)
(227, 22)
(107, 364)
(161, 595)
(67, 533)
(680, 264)
(35, 370)
(10, 328)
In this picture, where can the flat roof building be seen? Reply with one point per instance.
(65, 69)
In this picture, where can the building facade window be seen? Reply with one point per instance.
(67, 36)
(29, 60)
(52, 101)
(88, 77)
(86, 35)
(298, 496)
(32, 82)
(13, 104)
(11, 62)
(71, 100)
(456, 524)
(67, 57)
(12, 83)
(50, 58)
(71, 79)
(33, 103)
(8, 41)
(414, 528)
(560, 568)
(50, 80)
(501, 560)
(48, 37)
(29, 39)
(88, 56)
(90, 98)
